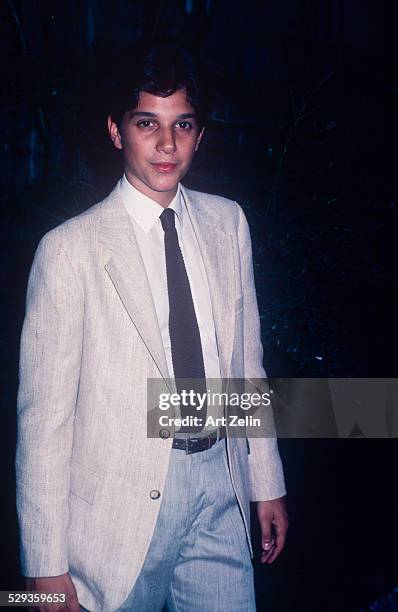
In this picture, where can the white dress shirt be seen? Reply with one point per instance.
(145, 214)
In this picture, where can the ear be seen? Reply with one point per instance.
(199, 138)
(114, 133)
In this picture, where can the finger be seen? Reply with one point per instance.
(265, 556)
(266, 535)
(279, 546)
(267, 544)
(275, 553)
(266, 553)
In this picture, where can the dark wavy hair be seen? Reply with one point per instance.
(159, 69)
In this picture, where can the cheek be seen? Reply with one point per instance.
(188, 149)
(135, 153)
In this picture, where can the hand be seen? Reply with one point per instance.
(55, 584)
(273, 519)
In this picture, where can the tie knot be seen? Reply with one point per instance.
(167, 219)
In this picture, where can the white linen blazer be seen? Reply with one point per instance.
(90, 340)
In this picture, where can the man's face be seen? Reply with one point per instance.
(158, 139)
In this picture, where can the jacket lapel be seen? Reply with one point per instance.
(125, 267)
(216, 246)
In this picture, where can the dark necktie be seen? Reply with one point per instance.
(186, 347)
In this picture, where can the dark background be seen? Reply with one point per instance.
(303, 115)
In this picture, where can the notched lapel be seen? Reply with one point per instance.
(216, 246)
(125, 267)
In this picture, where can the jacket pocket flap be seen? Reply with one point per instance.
(83, 482)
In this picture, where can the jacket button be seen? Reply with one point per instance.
(164, 433)
(155, 494)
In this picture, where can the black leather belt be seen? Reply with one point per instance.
(197, 445)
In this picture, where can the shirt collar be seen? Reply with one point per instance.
(143, 209)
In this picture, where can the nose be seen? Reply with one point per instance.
(166, 142)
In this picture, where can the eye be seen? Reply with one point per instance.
(185, 125)
(145, 123)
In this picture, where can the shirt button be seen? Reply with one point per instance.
(155, 494)
(164, 433)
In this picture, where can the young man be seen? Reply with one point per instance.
(155, 281)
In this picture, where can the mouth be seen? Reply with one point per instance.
(164, 168)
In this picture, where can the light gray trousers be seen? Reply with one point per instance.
(198, 559)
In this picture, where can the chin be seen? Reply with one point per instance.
(165, 185)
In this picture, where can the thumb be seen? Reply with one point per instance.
(266, 537)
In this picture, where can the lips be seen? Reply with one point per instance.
(164, 168)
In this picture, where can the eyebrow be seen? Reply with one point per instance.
(148, 114)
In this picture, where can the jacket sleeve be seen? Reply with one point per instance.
(50, 357)
(265, 467)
